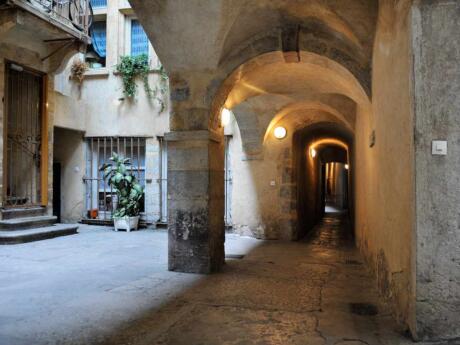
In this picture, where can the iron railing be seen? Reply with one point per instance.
(228, 184)
(23, 139)
(75, 14)
(163, 181)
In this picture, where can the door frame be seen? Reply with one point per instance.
(44, 132)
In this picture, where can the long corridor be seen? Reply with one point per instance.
(313, 292)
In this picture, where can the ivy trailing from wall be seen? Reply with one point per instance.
(133, 67)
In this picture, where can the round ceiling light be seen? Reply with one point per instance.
(280, 132)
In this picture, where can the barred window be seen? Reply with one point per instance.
(100, 198)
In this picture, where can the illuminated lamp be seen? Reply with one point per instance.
(280, 132)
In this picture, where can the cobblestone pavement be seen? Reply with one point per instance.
(102, 287)
(313, 292)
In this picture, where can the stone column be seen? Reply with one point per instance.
(195, 201)
(436, 52)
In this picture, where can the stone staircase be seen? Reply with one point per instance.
(20, 225)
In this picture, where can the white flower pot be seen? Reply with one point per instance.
(126, 223)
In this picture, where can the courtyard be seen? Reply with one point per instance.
(106, 287)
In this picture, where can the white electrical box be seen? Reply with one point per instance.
(439, 147)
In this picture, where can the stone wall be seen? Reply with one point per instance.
(436, 46)
(263, 197)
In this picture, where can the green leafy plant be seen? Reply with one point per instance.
(129, 192)
(133, 67)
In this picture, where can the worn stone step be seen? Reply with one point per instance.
(30, 235)
(16, 224)
(21, 212)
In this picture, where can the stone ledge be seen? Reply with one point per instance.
(200, 135)
(96, 72)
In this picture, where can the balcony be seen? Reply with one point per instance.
(52, 20)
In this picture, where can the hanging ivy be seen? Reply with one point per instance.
(133, 67)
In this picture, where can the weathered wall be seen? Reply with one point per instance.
(98, 107)
(384, 173)
(18, 51)
(69, 151)
(263, 198)
(436, 44)
(271, 188)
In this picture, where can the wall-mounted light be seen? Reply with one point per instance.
(312, 152)
(225, 116)
(347, 166)
(280, 132)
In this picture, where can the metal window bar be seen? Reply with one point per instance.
(101, 199)
(228, 184)
(23, 142)
(163, 180)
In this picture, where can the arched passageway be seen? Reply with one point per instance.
(299, 64)
(321, 182)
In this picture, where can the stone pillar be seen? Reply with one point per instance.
(436, 52)
(195, 201)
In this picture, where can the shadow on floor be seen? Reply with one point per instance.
(311, 292)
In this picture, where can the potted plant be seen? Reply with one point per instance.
(128, 191)
(78, 70)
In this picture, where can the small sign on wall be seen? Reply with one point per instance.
(439, 147)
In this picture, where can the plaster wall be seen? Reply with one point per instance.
(263, 202)
(436, 45)
(384, 167)
(98, 107)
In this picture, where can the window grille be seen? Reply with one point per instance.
(139, 40)
(163, 181)
(100, 198)
(228, 183)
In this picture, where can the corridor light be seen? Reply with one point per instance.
(312, 152)
(280, 132)
(347, 166)
(225, 116)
